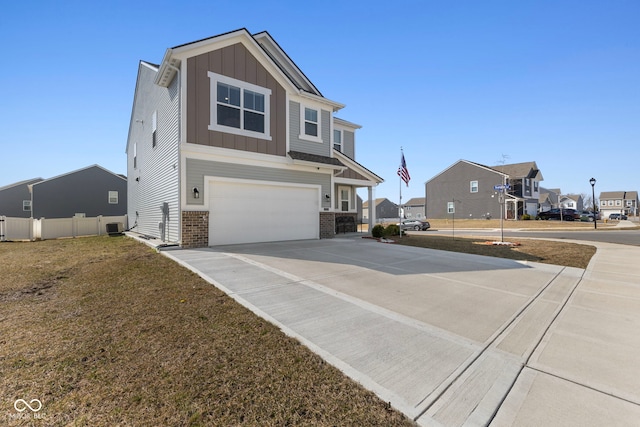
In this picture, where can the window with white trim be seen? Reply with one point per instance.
(26, 205)
(451, 208)
(473, 186)
(310, 124)
(610, 202)
(337, 140)
(618, 203)
(344, 198)
(113, 197)
(239, 107)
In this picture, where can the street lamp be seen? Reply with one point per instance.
(592, 181)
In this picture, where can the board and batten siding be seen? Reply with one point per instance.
(237, 62)
(197, 170)
(154, 180)
(297, 144)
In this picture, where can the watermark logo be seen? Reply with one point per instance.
(27, 410)
(21, 405)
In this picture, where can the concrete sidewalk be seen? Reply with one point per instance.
(452, 339)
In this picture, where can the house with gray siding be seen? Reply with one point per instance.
(15, 199)
(471, 190)
(230, 142)
(92, 191)
(548, 199)
(414, 208)
(619, 202)
(384, 209)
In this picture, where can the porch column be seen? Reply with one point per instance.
(372, 208)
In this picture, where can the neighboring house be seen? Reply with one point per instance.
(414, 208)
(15, 199)
(383, 209)
(471, 190)
(548, 199)
(90, 192)
(621, 202)
(229, 142)
(572, 201)
(524, 181)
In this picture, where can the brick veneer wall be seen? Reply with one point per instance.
(327, 225)
(195, 229)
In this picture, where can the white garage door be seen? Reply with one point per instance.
(248, 212)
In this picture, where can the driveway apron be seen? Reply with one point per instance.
(447, 338)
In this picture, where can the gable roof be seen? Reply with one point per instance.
(357, 167)
(626, 195)
(416, 201)
(262, 43)
(521, 170)
(19, 183)
(80, 170)
(478, 165)
(377, 202)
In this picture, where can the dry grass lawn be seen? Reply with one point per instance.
(544, 251)
(105, 331)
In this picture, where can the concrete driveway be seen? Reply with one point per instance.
(447, 338)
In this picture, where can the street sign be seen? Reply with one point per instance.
(502, 187)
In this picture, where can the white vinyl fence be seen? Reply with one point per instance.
(53, 228)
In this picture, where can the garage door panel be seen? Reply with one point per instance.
(242, 212)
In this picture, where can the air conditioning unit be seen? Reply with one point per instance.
(115, 228)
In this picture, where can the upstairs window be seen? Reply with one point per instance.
(473, 186)
(310, 124)
(26, 205)
(337, 140)
(113, 197)
(239, 107)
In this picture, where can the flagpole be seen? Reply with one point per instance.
(400, 205)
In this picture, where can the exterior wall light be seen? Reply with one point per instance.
(196, 193)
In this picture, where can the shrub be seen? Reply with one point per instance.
(377, 231)
(392, 230)
(526, 217)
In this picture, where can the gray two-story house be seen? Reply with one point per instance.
(619, 202)
(230, 142)
(15, 199)
(472, 190)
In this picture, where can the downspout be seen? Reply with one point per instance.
(177, 70)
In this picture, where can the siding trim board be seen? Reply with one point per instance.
(198, 171)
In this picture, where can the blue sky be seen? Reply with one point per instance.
(556, 82)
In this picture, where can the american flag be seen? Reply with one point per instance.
(403, 172)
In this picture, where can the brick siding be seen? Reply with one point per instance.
(195, 229)
(327, 225)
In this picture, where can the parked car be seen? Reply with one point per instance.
(566, 215)
(617, 216)
(414, 224)
(588, 216)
